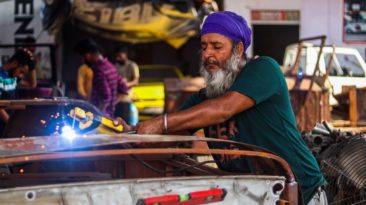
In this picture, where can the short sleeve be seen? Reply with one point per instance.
(193, 100)
(260, 79)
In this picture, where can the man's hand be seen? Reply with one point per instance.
(4, 116)
(126, 127)
(153, 126)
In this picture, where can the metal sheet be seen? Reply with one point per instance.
(36, 145)
(240, 190)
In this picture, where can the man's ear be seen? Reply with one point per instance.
(241, 48)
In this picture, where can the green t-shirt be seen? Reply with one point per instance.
(269, 124)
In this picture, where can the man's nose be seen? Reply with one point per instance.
(207, 53)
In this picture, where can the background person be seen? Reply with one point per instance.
(129, 70)
(19, 64)
(107, 83)
(84, 81)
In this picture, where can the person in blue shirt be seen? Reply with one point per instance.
(19, 64)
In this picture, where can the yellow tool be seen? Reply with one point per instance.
(86, 119)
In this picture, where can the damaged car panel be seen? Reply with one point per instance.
(94, 167)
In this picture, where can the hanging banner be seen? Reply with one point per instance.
(21, 19)
(275, 16)
(141, 21)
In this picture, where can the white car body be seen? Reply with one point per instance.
(347, 69)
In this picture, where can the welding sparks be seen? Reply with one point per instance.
(68, 132)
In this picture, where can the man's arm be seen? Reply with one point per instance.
(4, 116)
(209, 112)
(29, 80)
(81, 83)
(101, 85)
(136, 78)
(122, 86)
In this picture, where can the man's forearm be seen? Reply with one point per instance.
(210, 112)
(4, 115)
(199, 116)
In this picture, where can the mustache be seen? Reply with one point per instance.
(210, 62)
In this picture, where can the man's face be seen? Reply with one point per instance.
(216, 50)
(19, 71)
(220, 65)
(121, 58)
(87, 58)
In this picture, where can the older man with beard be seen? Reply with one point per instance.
(248, 104)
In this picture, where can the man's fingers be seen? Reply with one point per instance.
(119, 121)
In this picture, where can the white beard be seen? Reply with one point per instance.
(220, 81)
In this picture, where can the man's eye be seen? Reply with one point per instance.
(217, 47)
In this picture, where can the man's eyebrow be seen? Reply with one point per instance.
(216, 42)
(211, 42)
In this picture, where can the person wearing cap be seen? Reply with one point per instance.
(19, 64)
(248, 104)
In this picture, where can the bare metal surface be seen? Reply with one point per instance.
(251, 190)
(148, 151)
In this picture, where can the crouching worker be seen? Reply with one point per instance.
(248, 104)
(19, 64)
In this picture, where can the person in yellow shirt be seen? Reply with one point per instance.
(85, 81)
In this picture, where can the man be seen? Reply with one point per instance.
(249, 104)
(126, 67)
(85, 81)
(29, 80)
(129, 70)
(106, 81)
(20, 64)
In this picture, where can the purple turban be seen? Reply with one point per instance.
(228, 24)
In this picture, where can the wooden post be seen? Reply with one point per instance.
(353, 116)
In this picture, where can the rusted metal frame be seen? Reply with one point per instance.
(38, 145)
(327, 71)
(317, 67)
(97, 153)
(191, 169)
(352, 111)
(295, 67)
(21, 104)
(51, 175)
(328, 67)
(191, 161)
(300, 46)
(55, 101)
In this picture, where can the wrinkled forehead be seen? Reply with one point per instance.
(210, 38)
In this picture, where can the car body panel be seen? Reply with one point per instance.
(122, 168)
(249, 189)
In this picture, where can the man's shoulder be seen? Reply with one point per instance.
(4, 74)
(106, 66)
(263, 64)
(263, 60)
(132, 64)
